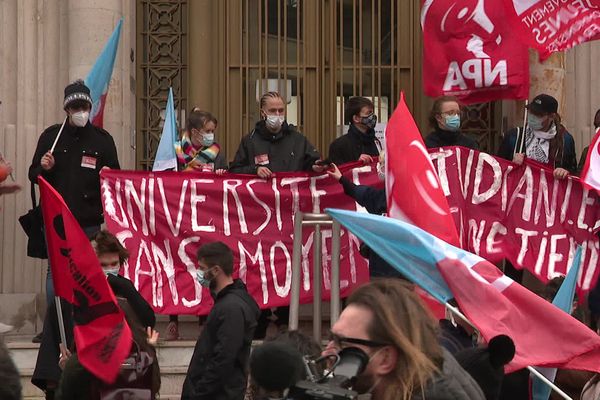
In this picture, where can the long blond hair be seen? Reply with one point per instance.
(400, 318)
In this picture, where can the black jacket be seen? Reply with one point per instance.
(350, 146)
(374, 200)
(452, 383)
(219, 366)
(123, 287)
(79, 185)
(442, 138)
(286, 151)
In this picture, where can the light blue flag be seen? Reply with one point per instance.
(99, 77)
(166, 158)
(563, 300)
(407, 248)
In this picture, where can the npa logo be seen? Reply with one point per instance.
(467, 21)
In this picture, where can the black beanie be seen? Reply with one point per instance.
(76, 91)
(276, 366)
(486, 364)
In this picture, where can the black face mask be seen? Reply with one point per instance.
(369, 121)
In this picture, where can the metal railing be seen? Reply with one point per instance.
(317, 220)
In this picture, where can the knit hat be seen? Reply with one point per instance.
(486, 364)
(76, 91)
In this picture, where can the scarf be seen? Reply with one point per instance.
(537, 144)
(186, 153)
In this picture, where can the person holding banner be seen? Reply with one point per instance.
(444, 118)
(274, 145)
(70, 156)
(585, 150)
(543, 139)
(198, 150)
(360, 143)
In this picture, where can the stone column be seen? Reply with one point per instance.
(90, 25)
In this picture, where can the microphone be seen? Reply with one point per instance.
(275, 366)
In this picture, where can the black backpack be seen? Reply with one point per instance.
(135, 380)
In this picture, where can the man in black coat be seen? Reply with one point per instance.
(360, 143)
(219, 367)
(274, 145)
(72, 163)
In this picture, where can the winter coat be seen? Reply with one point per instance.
(349, 147)
(79, 155)
(442, 138)
(560, 156)
(219, 367)
(286, 151)
(453, 383)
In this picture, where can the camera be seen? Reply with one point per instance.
(350, 363)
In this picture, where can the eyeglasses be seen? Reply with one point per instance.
(339, 341)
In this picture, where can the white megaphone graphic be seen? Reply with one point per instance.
(467, 13)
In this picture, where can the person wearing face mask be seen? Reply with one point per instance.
(274, 145)
(387, 320)
(198, 151)
(71, 162)
(111, 255)
(544, 139)
(374, 200)
(444, 118)
(360, 143)
(219, 365)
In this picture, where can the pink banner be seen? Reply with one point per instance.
(554, 25)
(521, 213)
(164, 217)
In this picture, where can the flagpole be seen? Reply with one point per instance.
(534, 371)
(61, 322)
(58, 136)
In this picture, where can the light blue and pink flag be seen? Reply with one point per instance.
(166, 158)
(98, 79)
(543, 334)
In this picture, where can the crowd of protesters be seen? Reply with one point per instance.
(408, 354)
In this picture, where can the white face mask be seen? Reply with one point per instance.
(274, 122)
(80, 118)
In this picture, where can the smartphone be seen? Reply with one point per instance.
(326, 162)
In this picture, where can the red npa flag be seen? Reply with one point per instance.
(471, 52)
(414, 191)
(553, 25)
(102, 336)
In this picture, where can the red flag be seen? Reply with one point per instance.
(550, 26)
(102, 336)
(471, 52)
(413, 187)
(543, 334)
(590, 175)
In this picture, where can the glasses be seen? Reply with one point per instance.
(339, 341)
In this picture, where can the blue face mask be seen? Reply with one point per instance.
(202, 279)
(208, 139)
(452, 122)
(534, 122)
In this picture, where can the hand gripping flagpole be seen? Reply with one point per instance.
(534, 371)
